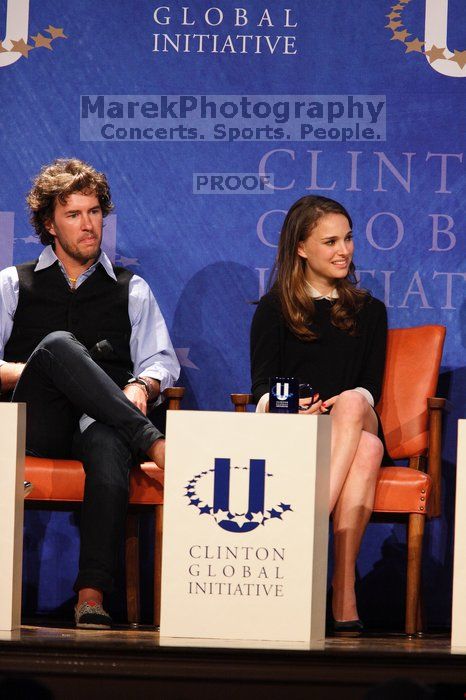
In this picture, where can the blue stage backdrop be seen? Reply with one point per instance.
(210, 118)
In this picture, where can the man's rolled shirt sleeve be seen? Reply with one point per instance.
(9, 294)
(150, 345)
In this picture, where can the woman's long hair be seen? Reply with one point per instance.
(288, 275)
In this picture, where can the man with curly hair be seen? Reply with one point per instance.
(84, 345)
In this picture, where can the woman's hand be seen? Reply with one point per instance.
(315, 407)
(327, 404)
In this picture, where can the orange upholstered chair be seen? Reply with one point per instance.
(59, 484)
(412, 422)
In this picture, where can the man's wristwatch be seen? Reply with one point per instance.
(142, 382)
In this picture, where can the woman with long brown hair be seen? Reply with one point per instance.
(316, 325)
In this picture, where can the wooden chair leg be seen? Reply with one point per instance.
(158, 562)
(414, 545)
(420, 614)
(132, 568)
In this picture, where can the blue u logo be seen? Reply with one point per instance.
(222, 492)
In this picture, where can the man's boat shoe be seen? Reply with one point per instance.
(91, 615)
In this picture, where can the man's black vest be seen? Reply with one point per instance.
(97, 310)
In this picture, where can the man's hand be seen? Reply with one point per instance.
(137, 394)
(140, 396)
(154, 388)
(10, 373)
(156, 452)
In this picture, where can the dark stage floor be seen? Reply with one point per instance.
(128, 663)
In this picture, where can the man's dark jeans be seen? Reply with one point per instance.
(59, 384)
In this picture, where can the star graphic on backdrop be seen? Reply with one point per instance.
(204, 509)
(56, 32)
(400, 36)
(21, 47)
(434, 53)
(459, 58)
(29, 239)
(241, 519)
(393, 25)
(2, 50)
(194, 502)
(414, 45)
(41, 40)
(183, 359)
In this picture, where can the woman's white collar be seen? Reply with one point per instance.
(315, 294)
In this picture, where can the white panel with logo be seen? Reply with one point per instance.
(12, 440)
(245, 527)
(458, 618)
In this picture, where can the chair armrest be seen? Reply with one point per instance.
(435, 403)
(240, 401)
(174, 394)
